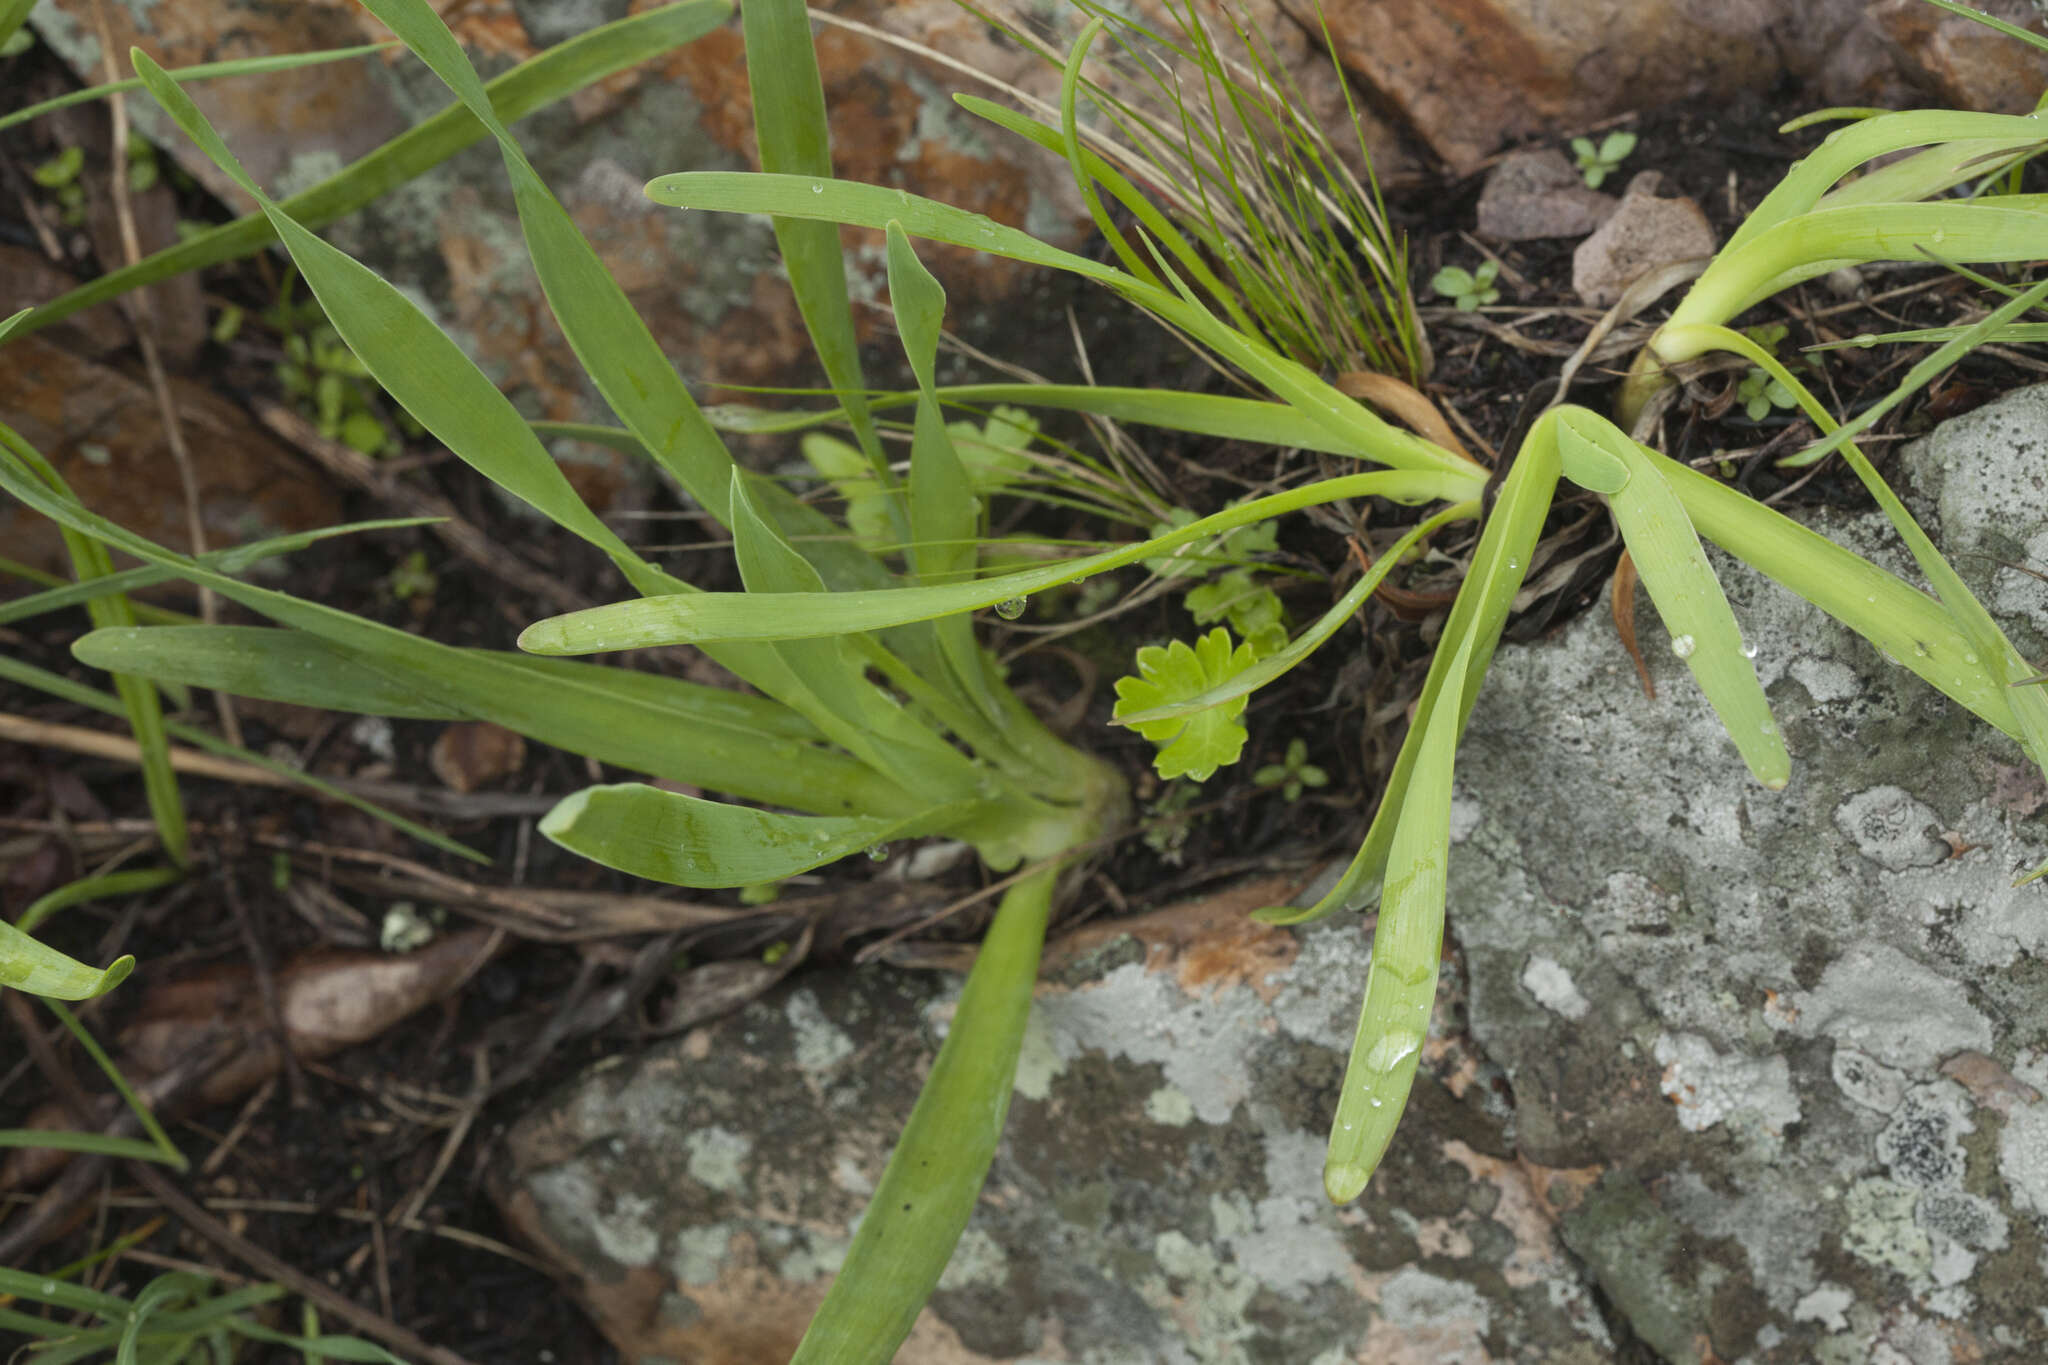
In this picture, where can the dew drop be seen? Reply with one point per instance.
(1969, 658)
(1919, 650)
(1011, 608)
(1388, 1051)
(1939, 235)
(817, 188)
(878, 851)
(1866, 340)
(1683, 646)
(1768, 728)
(1376, 1104)
(1748, 650)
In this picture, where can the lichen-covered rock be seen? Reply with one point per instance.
(1157, 1196)
(1811, 1043)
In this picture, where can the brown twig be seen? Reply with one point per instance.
(266, 988)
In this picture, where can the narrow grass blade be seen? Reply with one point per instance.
(928, 1190)
(945, 518)
(95, 1144)
(1407, 944)
(86, 889)
(139, 701)
(687, 841)
(1681, 583)
(38, 969)
(534, 84)
(8, 324)
(788, 616)
(1959, 343)
(119, 1080)
(234, 560)
(185, 75)
(1203, 414)
(1155, 223)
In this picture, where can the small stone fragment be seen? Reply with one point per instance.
(472, 754)
(1643, 233)
(1532, 195)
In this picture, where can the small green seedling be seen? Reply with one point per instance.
(1252, 609)
(1597, 163)
(1759, 393)
(1292, 773)
(1468, 289)
(59, 175)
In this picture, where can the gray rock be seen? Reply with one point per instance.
(1536, 194)
(1717, 1073)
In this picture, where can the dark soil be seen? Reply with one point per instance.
(365, 1130)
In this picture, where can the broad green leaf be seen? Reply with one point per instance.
(1681, 583)
(534, 84)
(687, 841)
(771, 616)
(1407, 944)
(1195, 745)
(934, 1176)
(27, 965)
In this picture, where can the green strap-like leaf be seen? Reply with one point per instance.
(416, 362)
(934, 1176)
(1499, 565)
(1407, 944)
(788, 616)
(687, 841)
(38, 969)
(602, 327)
(1681, 583)
(793, 138)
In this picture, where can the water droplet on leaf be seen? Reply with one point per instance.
(1683, 646)
(1010, 608)
(878, 851)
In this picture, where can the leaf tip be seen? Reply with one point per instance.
(557, 823)
(1344, 1181)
